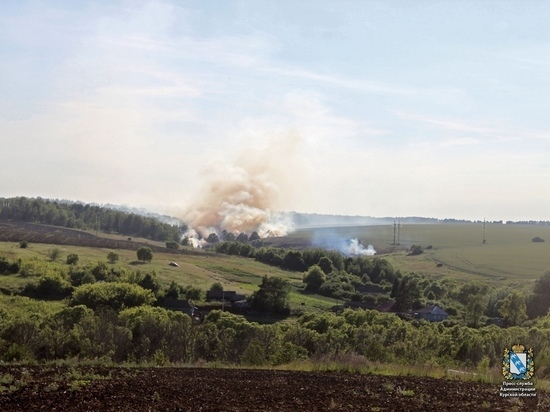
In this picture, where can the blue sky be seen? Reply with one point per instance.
(389, 108)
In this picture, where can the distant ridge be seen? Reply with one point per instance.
(310, 220)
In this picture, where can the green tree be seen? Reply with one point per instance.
(150, 282)
(54, 254)
(193, 293)
(8, 267)
(212, 238)
(113, 257)
(173, 290)
(513, 309)
(314, 278)
(243, 237)
(48, 287)
(113, 295)
(172, 245)
(475, 308)
(144, 254)
(294, 260)
(538, 302)
(408, 291)
(216, 286)
(272, 296)
(72, 259)
(415, 250)
(325, 264)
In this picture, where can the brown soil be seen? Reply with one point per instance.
(50, 388)
(13, 231)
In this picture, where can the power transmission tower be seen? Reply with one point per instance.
(398, 230)
(396, 226)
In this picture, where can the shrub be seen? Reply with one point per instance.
(112, 257)
(48, 287)
(7, 267)
(72, 259)
(415, 250)
(54, 254)
(193, 293)
(172, 245)
(115, 295)
(144, 254)
(23, 244)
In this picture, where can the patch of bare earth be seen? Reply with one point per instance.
(187, 389)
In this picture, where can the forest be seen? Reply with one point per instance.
(77, 215)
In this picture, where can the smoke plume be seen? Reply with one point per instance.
(355, 248)
(241, 196)
(332, 239)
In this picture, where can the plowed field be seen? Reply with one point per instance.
(186, 389)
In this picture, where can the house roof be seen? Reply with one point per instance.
(220, 294)
(177, 303)
(432, 310)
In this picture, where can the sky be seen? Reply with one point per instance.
(374, 108)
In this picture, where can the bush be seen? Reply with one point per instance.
(23, 244)
(144, 254)
(72, 259)
(48, 287)
(172, 245)
(415, 250)
(537, 239)
(113, 257)
(54, 254)
(7, 267)
(115, 295)
(193, 293)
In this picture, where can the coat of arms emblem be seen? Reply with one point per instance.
(518, 363)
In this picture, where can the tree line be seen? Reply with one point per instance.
(111, 314)
(87, 217)
(145, 333)
(328, 273)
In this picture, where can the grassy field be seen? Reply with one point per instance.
(200, 270)
(509, 256)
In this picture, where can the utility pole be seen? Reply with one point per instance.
(398, 230)
(396, 226)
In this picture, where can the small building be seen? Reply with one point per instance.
(180, 305)
(220, 295)
(227, 296)
(432, 313)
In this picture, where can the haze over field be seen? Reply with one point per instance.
(226, 112)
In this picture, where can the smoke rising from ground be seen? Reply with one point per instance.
(242, 196)
(332, 240)
(354, 247)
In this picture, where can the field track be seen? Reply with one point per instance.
(186, 389)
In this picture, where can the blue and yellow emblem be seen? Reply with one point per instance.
(518, 363)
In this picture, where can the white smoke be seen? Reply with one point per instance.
(332, 239)
(354, 247)
(240, 197)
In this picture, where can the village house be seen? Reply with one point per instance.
(432, 313)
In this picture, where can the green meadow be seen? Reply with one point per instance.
(199, 270)
(451, 250)
(508, 258)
